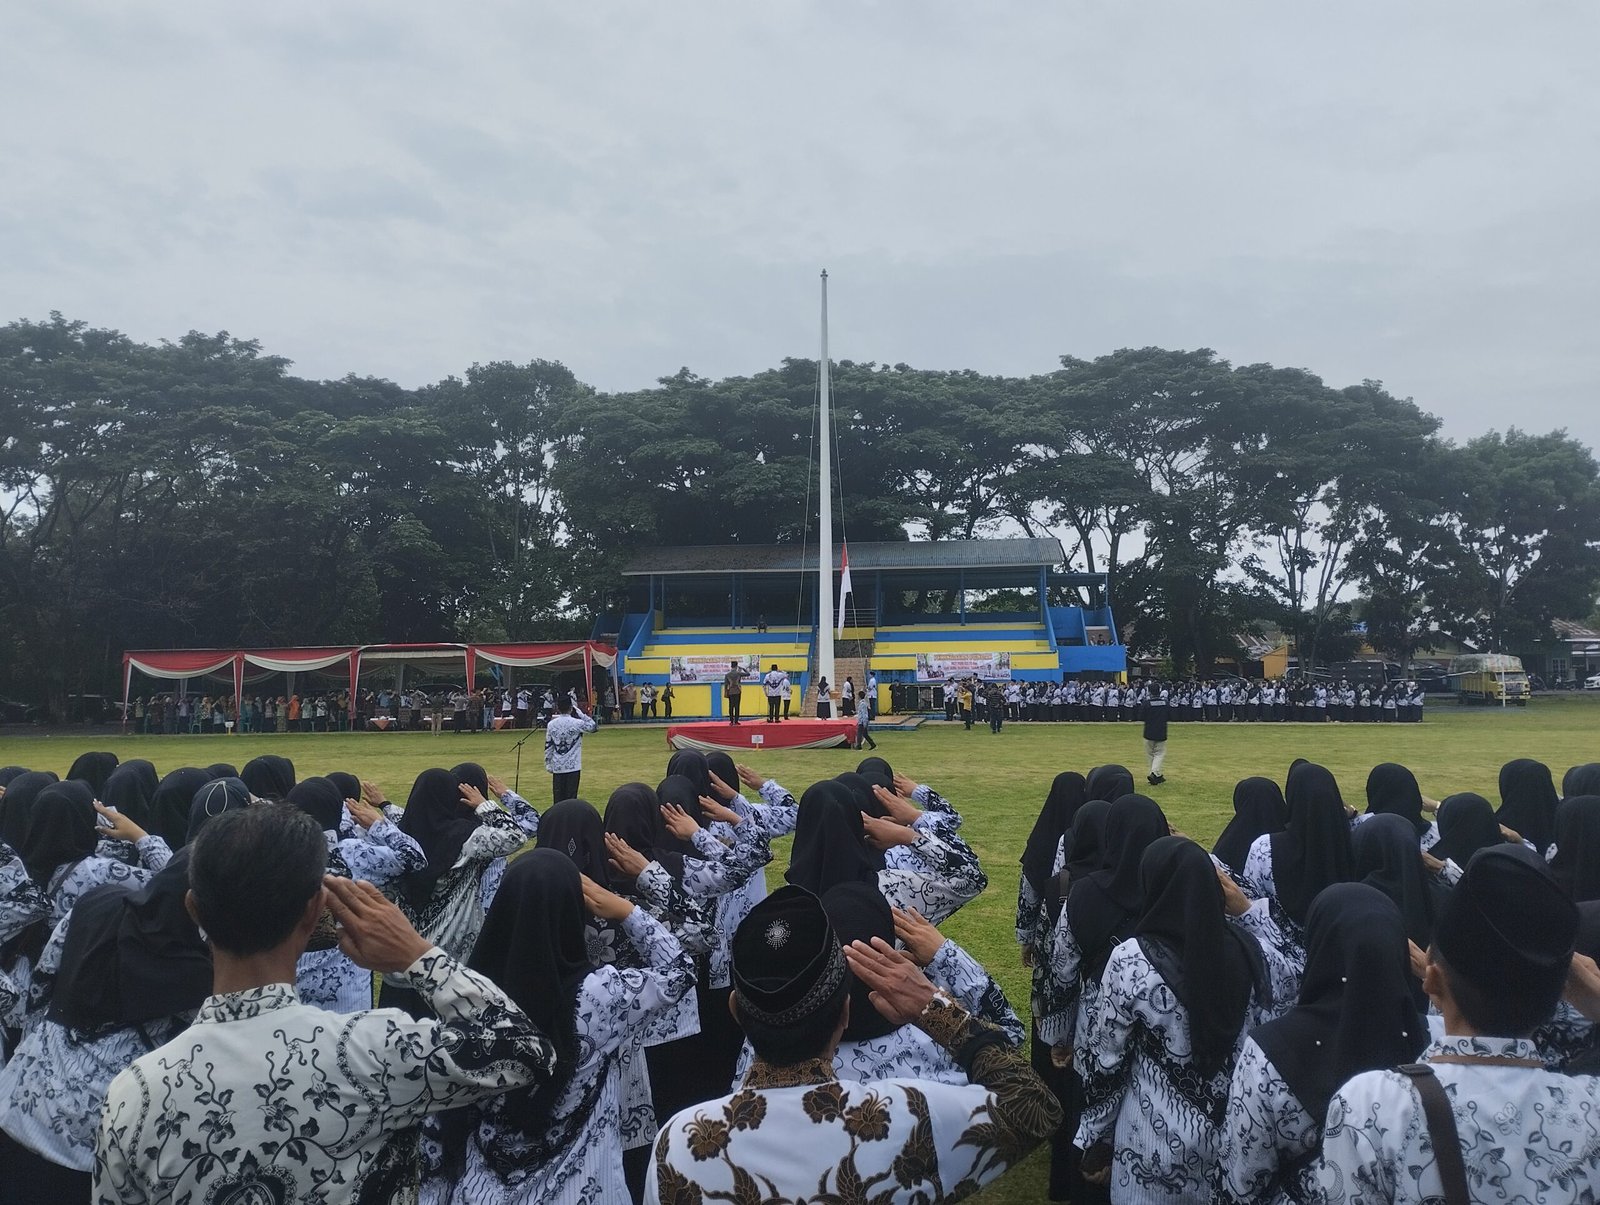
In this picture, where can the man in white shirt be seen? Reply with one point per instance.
(1502, 955)
(872, 693)
(265, 1099)
(563, 748)
(772, 684)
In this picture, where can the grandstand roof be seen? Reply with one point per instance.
(915, 555)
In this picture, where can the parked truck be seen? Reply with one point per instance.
(1490, 678)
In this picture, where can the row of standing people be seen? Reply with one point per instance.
(1230, 701)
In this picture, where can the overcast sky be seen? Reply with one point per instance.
(1404, 192)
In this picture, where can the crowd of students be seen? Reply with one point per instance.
(623, 1012)
(1219, 701)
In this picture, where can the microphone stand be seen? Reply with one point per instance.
(516, 780)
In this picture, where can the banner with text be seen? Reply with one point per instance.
(700, 669)
(947, 667)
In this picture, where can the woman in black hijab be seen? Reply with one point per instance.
(860, 788)
(17, 805)
(461, 834)
(131, 972)
(829, 843)
(62, 830)
(679, 791)
(1576, 864)
(722, 766)
(1467, 823)
(1356, 1013)
(1392, 790)
(1258, 811)
(1387, 859)
(1103, 907)
(269, 777)
(691, 764)
(1312, 852)
(320, 799)
(472, 773)
(222, 769)
(349, 785)
(1068, 791)
(130, 789)
(1581, 780)
(1172, 1007)
(1109, 783)
(94, 769)
(530, 1144)
(876, 767)
(573, 827)
(9, 774)
(633, 813)
(169, 806)
(858, 912)
(1528, 802)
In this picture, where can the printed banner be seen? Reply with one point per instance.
(944, 667)
(699, 669)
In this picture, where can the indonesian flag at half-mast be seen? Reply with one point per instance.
(844, 582)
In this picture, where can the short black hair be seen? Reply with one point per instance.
(1500, 1011)
(786, 1045)
(564, 704)
(252, 872)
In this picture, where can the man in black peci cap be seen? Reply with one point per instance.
(1503, 1128)
(793, 1131)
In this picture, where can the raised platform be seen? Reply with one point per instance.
(758, 734)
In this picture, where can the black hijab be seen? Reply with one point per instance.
(472, 774)
(1392, 790)
(1109, 783)
(61, 830)
(1258, 811)
(169, 806)
(532, 945)
(1576, 865)
(876, 767)
(1103, 907)
(1086, 849)
(679, 790)
(573, 828)
(321, 800)
(18, 803)
(1467, 823)
(860, 788)
(1313, 851)
(691, 764)
(349, 785)
(858, 912)
(94, 769)
(212, 800)
(222, 769)
(130, 789)
(132, 956)
(1528, 802)
(1356, 1011)
(437, 821)
(1210, 965)
(829, 844)
(269, 777)
(1068, 791)
(1582, 780)
(719, 763)
(9, 774)
(1387, 859)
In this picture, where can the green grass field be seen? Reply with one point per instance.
(998, 782)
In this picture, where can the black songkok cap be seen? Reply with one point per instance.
(1508, 926)
(787, 965)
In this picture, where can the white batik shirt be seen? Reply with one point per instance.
(520, 810)
(71, 881)
(1142, 1092)
(1527, 1135)
(612, 1010)
(379, 855)
(1269, 1141)
(267, 1099)
(563, 742)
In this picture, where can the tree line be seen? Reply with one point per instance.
(197, 493)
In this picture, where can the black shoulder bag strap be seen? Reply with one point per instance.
(1442, 1132)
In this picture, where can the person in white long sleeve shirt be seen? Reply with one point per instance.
(563, 749)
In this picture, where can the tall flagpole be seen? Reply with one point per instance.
(825, 517)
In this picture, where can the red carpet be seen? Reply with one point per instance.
(758, 734)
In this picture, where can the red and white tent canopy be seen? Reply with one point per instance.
(176, 664)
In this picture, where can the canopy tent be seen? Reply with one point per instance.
(179, 664)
